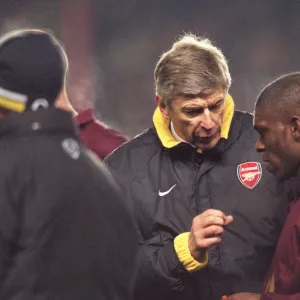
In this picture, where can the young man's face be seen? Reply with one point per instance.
(277, 144)
(198, 120)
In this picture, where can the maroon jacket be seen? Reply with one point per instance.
(285, 270)
(97, 136)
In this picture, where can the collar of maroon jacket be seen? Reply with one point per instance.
(86, 116)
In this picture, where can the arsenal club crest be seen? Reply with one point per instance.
(249, 174)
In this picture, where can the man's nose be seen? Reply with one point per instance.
(260, 147)
(207, 122)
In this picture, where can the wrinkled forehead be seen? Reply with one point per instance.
(203, 98)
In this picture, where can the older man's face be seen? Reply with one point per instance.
(198, 120)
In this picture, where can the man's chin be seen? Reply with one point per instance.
(281, 177)
(284, 176)
(210, 144)
(278, 174)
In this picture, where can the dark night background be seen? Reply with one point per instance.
(113, 46)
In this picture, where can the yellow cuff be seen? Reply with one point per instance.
(184, 255)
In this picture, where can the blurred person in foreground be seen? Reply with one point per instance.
(277, 120)
(209, 214)
(96, 135)
(65, 234)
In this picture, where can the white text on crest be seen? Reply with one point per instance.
(250, 168)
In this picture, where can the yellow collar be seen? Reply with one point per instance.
(162, 125)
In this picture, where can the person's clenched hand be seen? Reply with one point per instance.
(206, 231)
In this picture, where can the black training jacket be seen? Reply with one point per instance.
(65, 233)
(167, 188)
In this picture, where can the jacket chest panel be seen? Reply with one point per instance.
(173, 192)
(258, 216)
(166, 195)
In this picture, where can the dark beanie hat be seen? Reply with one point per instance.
(32, 70)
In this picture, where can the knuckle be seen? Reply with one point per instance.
(210, 211)
(214, 220)
(199, 243)
(220, 214)
(199, 233)
(215, 229)
(205, 213)
(199, 221)
(195, 222)
(210, 219)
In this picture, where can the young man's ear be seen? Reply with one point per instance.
(162, 106)
(63, 102)
(296, 127)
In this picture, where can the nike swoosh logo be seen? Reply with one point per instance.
(166, 192)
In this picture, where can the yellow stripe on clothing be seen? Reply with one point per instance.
(162, 125)
(227, 117)
(270, 288)
(9, 104)
(184, 255)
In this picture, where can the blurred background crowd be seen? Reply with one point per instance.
(113, 46)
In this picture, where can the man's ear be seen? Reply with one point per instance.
(63, 102)
(296, 127)
(162, 106)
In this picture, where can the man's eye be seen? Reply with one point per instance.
(193, 112)
(215, 107)
(262, 133)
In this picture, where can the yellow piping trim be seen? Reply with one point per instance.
(12, 105)
(270, 288)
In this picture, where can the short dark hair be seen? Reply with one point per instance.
(281, 95)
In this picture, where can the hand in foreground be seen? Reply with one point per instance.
(206, 231)
(244, 296)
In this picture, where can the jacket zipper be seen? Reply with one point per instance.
(196, 165)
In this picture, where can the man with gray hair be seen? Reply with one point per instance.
(209, 215)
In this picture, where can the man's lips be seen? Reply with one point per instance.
(206, 139)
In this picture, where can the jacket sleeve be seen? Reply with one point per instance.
(183, 252)
(97, 136)
(160, 270)
(8, 230)
(13, 183)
